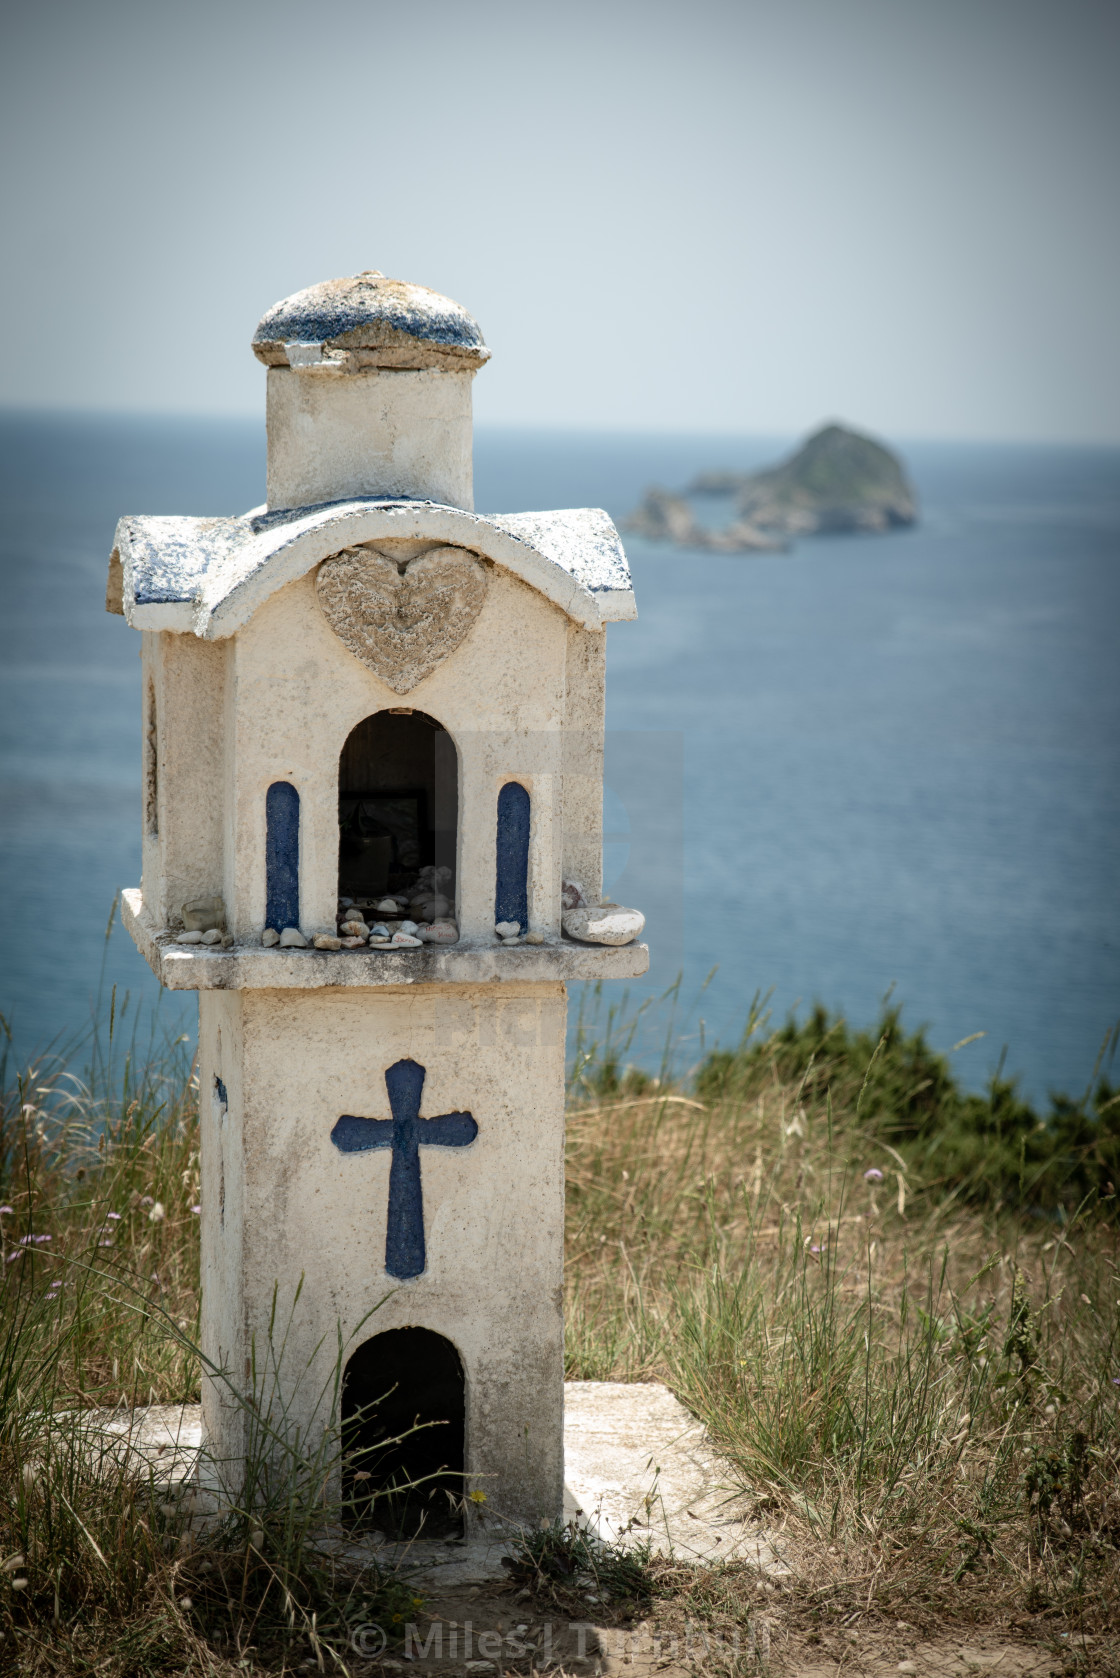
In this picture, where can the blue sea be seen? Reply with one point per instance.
(868, 765)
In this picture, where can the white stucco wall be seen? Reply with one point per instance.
(222, 1192)
(296, 693)
(186, 742)
(583, 739)
(382, 432)
(293, 1063)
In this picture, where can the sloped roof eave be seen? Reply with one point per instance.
(208, 576)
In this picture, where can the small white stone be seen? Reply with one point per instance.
(534, 937)
(188, 938)
(440, 932)
(380, 943)
(326, 941)
(407, 926)
(379, 930)
(292, 939)
(212, 937)
(406, 939)
(269, 937)
(354, 928)
(353, 943)
(345, 902)
(608, 924)
(387, 906)
(508, 929)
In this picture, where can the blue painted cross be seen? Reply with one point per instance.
(406, 1133)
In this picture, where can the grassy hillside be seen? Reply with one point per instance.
(894, 1304)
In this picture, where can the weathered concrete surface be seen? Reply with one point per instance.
(285, 1212)
(207, 577)
(401, 615)
(164, 1440)
(332, 435)
(369, 392)
(280, 703)
(197, 967)
(267, 641)
(637, 1468)
(383, 322)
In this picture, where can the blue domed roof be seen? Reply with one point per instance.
(381, 322)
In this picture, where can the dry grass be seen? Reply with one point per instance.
(925, 1395)
(919, 1387)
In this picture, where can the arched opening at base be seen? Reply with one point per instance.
(403, 1424)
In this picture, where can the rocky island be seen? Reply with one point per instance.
(838, 481)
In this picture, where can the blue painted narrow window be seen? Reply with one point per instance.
(281, 856)
(511, 900)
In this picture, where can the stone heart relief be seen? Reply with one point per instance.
(401, 620)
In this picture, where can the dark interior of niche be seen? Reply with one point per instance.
(397, 803)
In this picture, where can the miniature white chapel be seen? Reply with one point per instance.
(373, 761)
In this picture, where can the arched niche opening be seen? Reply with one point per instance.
(403, 1425)
(398, 806)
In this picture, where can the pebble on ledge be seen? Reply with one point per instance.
(609, 923)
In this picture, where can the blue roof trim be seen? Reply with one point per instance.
(171, 556)
(279, 517)
(581, 539)
(335, 308)
(196, 567)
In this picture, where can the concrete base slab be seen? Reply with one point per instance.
(639, 1469)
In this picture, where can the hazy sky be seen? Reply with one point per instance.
(701, 216)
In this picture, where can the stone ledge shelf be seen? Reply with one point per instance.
(247, 967)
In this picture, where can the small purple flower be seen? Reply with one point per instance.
(39, 1239)
(1115, 1378)
(104, 1243)
(196, 1210)
(13, 1256)
(116, 1217)
(6, 1209)
(815, 1250)
(146, 1200)
(874, 1175)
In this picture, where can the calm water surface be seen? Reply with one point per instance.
(869, 762)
